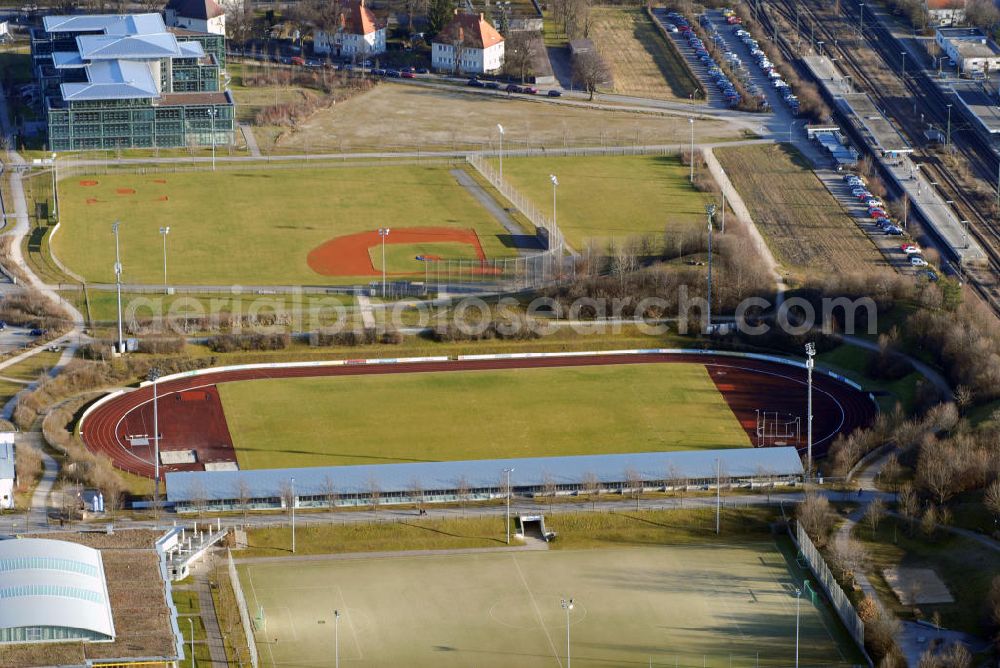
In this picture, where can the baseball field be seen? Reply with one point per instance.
(600, 198)
(270, 226)
(706, 605)
(291, 422)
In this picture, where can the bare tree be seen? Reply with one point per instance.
(374, 492)
(592, 488)
(462, 490)
(239, 21)
(890, 470)
(241, 491)
(874, 514)
(416, 490)
(589, 71)
(849, 556)
(909, 504)
(928, 521)
(634, 484)
(287, 494)
(816, 518)
(328, 488)
(520, 50)
(198, 496)
(548, 487)
(935, 471)
(982, 14)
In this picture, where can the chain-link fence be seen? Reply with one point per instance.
(241, 603)
(841, 603)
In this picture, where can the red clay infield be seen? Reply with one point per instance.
(348, 255)
(191, 415)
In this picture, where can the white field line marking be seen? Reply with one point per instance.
(538, 612)
(253, 590)
(291, 622)
(350, 623)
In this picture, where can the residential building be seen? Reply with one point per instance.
(359, 34)
(8, 474)
(969, 48)
(196, 15)
(468, 45)
(125, 81)
(945, 12)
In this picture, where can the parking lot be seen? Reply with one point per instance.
(713, 95)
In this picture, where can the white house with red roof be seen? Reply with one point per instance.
(359, 33)
(196, 15)
(946, 12)
(467, 45)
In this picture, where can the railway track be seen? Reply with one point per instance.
(920, 90)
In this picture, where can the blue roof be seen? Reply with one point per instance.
(7, 456)
(134, 47)
(113, 80)
(67, 59)
(528, 472)
(109, 24)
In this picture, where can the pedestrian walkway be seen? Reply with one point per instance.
(209, 617)
(250, 140)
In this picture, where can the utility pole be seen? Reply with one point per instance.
(710, 210)
(292, 501)
(213, 113)
(718, 494)
(508, 472)
(500, 128)
(118, 284)
(383, 232)
(810, 363)
(55, 192)
(154, 376)
(861, 19)
(336, 639)
(691, 122)
(164, 231)
(947, 139)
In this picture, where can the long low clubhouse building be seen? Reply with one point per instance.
(126, 81)
(480, 480)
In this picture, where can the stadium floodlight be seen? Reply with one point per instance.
(567, 605)
(798, 603)
(118, 284)
(383, 232)
(336, 639)
(164, 231)
(710, 211)
(291, 501)
(810, 363)
(508, 472)
(555, 186)
(191, 626)
(500, 129)
(153, 376)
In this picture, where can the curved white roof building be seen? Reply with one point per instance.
(52, 590)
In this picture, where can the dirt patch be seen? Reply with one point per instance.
(125, 191)
(917, 586)
(88, 184)
(348, 255)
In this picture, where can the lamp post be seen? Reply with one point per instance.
(500, 129)
(798, 604)
(555, 185)
(810, 363)
(718, 494)
(508, 472)
(55, 193)
(965, 233)
(191, 626)
(947, 139)
(710, 210)
(691, 156)
(567, 605)
(154, 375)
(118, 284)
(861, 19)
(336, 639)
(164, 231)
(902, 64)
(212, 113)
(383, 232)
(292, 502)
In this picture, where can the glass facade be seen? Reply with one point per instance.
(47, 563)
(23, 634)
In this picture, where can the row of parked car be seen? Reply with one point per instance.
(510, 88)
(764, 63)
(722, 82)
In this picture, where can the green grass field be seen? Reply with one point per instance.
(251, 227)
(657, 605)
(293, 422)
(604, 197)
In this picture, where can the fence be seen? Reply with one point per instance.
(841, 604)
(241, 603)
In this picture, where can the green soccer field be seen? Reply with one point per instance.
(253, 226)
(712, 606)
(456, 415)
(601, 198)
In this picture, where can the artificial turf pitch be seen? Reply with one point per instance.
(298, 422)
(255, 225)
(713, 606)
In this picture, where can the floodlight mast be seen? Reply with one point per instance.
(810, 363)
(710, 210)
(508, 472)
(118, 285)
(153, 376)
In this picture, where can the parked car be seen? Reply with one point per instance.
(423, 70)
(530, 90)
(670, 27)
(918, 261)
(554, 93)
(392, 73)
(37, 332)
(910, 249)
(475, 83)
(492, 85)
(513, 88)
(407, 75)
(379, 72)
(931, 275)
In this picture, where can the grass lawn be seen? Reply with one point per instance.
(966, 567)
(681, 605)
(251, 226)
(403, 257)
(604, 197)
(853, 363)
(641, 61)
(509, 413)
(803, 224)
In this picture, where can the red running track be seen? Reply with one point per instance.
(191, 415)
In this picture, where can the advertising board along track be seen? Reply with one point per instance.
(748, 382)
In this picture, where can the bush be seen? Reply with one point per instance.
(227, 343)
